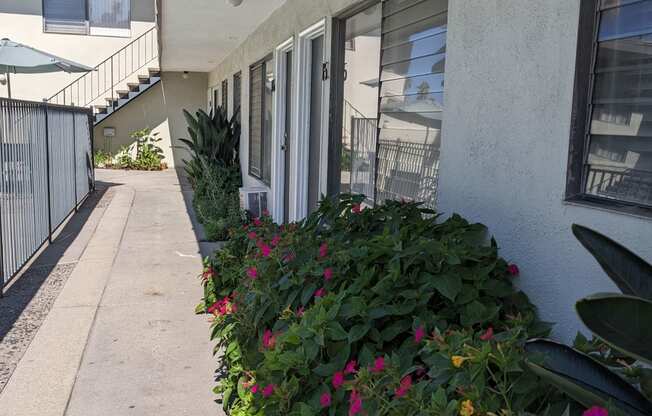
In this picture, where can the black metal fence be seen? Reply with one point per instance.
(46, 171)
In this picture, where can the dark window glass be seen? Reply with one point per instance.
(619, 160)
(225, 95)
(65, 16)
(237, 91)
(260, 120)
(110, 13)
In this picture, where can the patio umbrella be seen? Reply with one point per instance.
(21, 59)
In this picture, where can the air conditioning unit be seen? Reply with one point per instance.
(254, 200)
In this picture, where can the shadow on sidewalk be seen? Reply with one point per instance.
(24, 287)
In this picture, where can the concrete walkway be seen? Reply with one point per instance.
(121, 338)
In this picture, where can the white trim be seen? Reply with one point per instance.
(301, 125)
(277, 192)
(110, 31)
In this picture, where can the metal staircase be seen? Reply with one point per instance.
(117, 80)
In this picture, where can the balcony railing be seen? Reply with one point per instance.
(98, 87)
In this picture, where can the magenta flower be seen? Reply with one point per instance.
(276, 240)
(488, 335)
(325, 400)
(328, 273)
(265, 250)
(268, 390)
(323, 250)
(300, 311)
(596, 411)
(265, 213)
(351, 367)
(419, 333)
(252, 272)
(254, 388)
(257, 222)
(405, 385)
(356, 208)
(355, 403)
(513, 270)
(289, 257)
(269, 339)
(379, 365)
(252, 235)
(319, 293)
(338, 379)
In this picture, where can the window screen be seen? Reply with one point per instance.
(618, 164)
(65, 16)
(237, 91)
(109, 13)
(411, 99)
(256, 86)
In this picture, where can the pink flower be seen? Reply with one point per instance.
(405, 385)
(252, 235)
(379, 365)
(268, 390)
(208, 274)
(328, 273)
(319, 293)
(323, 250)
(211, 309)
(596, 411)
(288, 257)
(355, 403)
(269, 339)
(276, 240)
(419, 334)
(338, 379)
(265, 250)
(351, 367)
(300, 311)
(257, 222)
(356, 208)
(265, 213)
(252, 272)
(488, 335)
(513, 270)
(325, 399)
(254, 388)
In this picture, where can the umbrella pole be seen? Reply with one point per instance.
(8, 84)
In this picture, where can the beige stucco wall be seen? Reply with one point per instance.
(22, 21)
(159, 109)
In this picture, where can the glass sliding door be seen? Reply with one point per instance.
(315, 120)
(287, 134)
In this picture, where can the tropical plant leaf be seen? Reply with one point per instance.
(584, 379)
(632, 274)
(624, 322)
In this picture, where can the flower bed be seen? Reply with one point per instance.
(371, 311)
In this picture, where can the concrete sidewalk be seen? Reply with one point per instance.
(121, 338)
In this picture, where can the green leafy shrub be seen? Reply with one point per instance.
(143, 154)
(382, 311)
(102, 159)
(214, 170)
(607, 376)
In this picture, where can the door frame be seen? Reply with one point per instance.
(279, 129)
(299, 151)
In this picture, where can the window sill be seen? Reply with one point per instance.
(110, 32)
(613, 206)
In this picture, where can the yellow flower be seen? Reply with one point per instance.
(458, 360)
(467, 408)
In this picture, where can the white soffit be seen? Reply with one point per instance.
(198, 34)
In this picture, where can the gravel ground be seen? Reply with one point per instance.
(18, 333)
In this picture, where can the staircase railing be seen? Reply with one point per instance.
(94, 87)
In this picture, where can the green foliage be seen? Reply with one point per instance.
(214, 170)
(143, 154)
(102, 159)
(622, 321)
(294, 305)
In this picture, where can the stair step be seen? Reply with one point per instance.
(133, 86)
(101, 109)
(122, 93)
(154, 72)
(144, 79)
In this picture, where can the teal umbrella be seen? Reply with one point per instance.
(17, 58)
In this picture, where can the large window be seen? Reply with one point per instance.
(94, 17)
(237, 99)
(611, 142)
(225, 95)
(261, 78)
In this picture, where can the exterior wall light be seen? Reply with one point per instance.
(185, 75)
(234, 3)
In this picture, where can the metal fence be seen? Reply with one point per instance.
(46, 171)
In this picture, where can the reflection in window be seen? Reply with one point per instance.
(619, 163)
(411, 100)
(360, 112)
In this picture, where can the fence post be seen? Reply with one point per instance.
(74, 158)
(91, 129)
(47, 168)
(2, 260)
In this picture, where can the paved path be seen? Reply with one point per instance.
(121, 338)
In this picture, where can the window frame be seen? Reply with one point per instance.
(88, 30)
(263, 64)
(581, 111)
(237, 93)
(225, 95)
